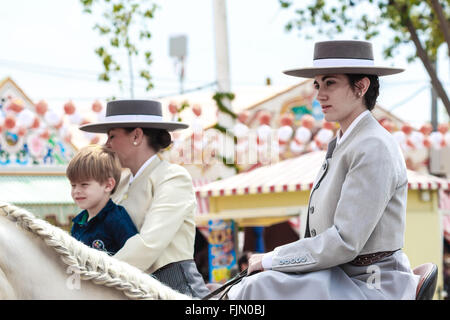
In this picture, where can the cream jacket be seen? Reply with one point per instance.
(357, 205)
(161, 202)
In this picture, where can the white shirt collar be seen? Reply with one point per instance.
(339, 138)
(142, 168)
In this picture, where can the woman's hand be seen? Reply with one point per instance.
(255, 263)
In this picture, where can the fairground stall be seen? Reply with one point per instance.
(278, 192)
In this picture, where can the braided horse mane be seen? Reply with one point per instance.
(91, 264)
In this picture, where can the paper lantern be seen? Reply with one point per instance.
(307, 121)
(97, 106)
(10, 122)
(25, 119)
(426, 129)
(52, 118)
(243, 116)
(197, 110)
(323, 137)
(263, 133)
(387, 124)
(75, 118)
(416, 140)
(436, 139)
(284, 134)
(21, 131)
(287, 119)
(69, 108)
(264, 118)
(36, 123)
(442, 128)
(327, 125)
(173, 108)
(302, 135)
(406, 128)
(41, 107)
(240, 130)
(44, 134)
(16, 105)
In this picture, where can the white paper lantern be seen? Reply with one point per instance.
(263, 132)
(285, 133)
(25, 119)
(240, 130)
(447, 138)
(52, 118)
(416, 138)
(400, 137)
(324, 136)
(436, 139)
(76, 118)
(303, 135)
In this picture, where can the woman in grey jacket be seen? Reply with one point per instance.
(357, 206)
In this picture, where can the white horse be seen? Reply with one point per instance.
(41, 261)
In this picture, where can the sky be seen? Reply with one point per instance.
(47, 48)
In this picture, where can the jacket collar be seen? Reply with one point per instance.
(82, 217)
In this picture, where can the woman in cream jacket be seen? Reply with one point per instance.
(158, 195)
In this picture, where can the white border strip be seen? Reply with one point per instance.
(342, 63)
(133, 118)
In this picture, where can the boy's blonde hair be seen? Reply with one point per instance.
(94, 162)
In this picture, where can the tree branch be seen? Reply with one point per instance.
(445, 27)
(422, 54)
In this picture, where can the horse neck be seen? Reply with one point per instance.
(33, 270)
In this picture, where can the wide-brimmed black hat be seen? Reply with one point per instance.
(341, 57)
(133, 114)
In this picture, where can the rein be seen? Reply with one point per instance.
(227, 285)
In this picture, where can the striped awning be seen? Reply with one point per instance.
(293, 175)
(35, 189)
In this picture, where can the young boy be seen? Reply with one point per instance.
(94, 174)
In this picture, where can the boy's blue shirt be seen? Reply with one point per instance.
(107, 231)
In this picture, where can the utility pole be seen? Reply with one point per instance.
(222, 60)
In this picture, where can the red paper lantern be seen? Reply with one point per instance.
(10, 122)
(287, 119)
(442, 128)
(69, 108)
(264, 118)
(406, 128)
(16, 105)
(327, 125)
(21, 132)
(243, 116)
(41, 107)
(426, 129)
(36, 123)
(197, 110)
(307, 121)
(97, 106)
(45, 134)
(173, 108)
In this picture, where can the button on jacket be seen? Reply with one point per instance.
(357, 204)
(161, 202)
(107, 231)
